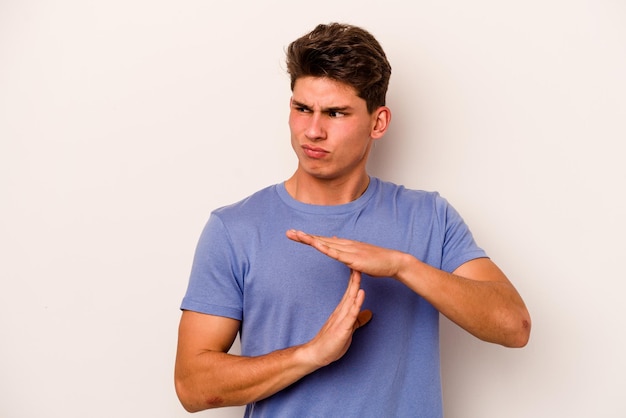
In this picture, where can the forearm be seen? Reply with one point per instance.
(214, 379)
(208, 377)
(488, 307)
(478, 297)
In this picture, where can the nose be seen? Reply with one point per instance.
(315, 130)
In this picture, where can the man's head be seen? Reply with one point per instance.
(344, 53)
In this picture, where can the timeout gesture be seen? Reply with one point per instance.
(360, 256)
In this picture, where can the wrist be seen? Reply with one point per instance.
(407, 265)
(305, 357)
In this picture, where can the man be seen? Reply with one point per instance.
(298, 307)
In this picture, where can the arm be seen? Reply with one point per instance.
(477, 295)
(206, 376)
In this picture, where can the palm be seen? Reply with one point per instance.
(360, 256)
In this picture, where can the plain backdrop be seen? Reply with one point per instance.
(123, 123)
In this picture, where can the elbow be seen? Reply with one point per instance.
(193, 401)
(518, 331)
(185, 397)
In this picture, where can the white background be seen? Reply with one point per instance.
(123, 123)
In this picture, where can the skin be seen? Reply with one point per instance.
(332, 133)
(328, 116)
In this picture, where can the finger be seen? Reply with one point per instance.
(314, 241)
(310, 239)
(300, 236)
(358, 317)
(340, 249)
(355, 302)
(363, 318)
(350, 295)
(334, 241)
(347, 310)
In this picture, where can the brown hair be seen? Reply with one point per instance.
(344, 53)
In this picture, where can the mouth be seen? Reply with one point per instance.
(314, 152)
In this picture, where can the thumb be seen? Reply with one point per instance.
(363, 318)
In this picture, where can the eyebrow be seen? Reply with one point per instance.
(339, 109)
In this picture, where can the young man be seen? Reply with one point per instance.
(298, 307)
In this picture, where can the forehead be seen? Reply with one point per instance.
(325, 92)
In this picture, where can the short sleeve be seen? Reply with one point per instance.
(215, 283)
(459, 245)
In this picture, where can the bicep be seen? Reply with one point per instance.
(198, 333)
(481, 269)
(202, 341)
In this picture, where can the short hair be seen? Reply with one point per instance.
(344, 53)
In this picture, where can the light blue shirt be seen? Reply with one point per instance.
(247, 269)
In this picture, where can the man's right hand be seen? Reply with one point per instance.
(207, 376)
(335, 337)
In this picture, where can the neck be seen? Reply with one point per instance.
(327, 192)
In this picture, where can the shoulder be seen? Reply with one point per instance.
(389, 191)
(422, 206)
(254, 205)
(225, 224)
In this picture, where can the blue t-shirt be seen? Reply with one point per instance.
(283, 291)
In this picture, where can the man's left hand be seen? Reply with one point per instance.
(360, 256)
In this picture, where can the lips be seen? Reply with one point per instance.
(314, 152)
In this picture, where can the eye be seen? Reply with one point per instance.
(335, 114)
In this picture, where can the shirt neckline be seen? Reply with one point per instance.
(328, 209)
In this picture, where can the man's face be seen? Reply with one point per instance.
(331, 129)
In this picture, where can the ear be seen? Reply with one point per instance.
(381, 120)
